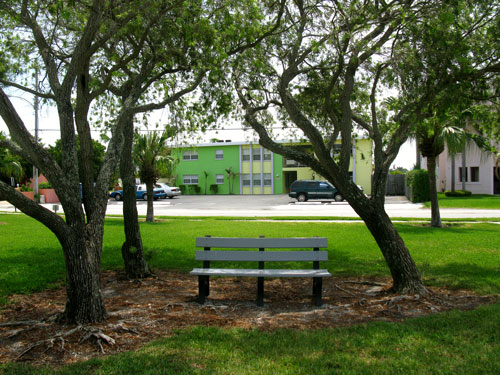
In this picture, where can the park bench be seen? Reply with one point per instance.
(208, 255)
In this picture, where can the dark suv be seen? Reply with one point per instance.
(312, 189)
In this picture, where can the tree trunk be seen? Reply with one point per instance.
(464, 169)
(435, 215)
(150, 216)
(405, 275)
(84, 300)
(404, 271)
(136, 266)
(453, 177)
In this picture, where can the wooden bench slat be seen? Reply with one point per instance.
(262, 256)
(259, 273)
(269, 243)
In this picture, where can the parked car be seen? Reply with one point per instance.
(140, 193)
(303, 190)
(172, 191)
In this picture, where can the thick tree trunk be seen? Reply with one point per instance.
(84, 300)
(435, 214)
(405, 275)
(136, 266)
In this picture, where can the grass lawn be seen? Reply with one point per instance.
(481, 201)
(462, 255)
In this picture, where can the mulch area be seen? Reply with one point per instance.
(140, 311)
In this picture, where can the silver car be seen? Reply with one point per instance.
(172, 191)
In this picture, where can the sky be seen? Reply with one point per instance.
(49, 131)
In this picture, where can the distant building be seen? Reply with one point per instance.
(479, 171)
(247, 168)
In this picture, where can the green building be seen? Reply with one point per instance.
(248, 168)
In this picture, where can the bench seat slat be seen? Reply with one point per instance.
(262, 256)
(259, 273)
(269, 243)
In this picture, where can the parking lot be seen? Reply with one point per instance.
(282, 205)
(274, 206)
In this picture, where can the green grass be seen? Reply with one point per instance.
(465, 343)
(480, 201)
(462, 255)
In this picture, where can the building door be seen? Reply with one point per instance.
(496, 183)
(290, 176)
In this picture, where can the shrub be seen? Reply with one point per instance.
(183, 189)
(418, 181)
(458, 193)
(45, 185)
(25, 188)
(214, 188)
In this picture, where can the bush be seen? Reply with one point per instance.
(45, 185)
(25, 188)
(194, 189)
(214, 188)
(183, 189)
(418, 182)
(458, 193)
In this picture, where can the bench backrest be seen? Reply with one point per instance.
(262, 243)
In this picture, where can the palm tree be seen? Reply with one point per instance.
(152, 157)
(10, 165)
(432, 136)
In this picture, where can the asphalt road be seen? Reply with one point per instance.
(276, 205)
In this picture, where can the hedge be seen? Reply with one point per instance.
(418, 181)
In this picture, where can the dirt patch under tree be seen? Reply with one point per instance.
(140, 311)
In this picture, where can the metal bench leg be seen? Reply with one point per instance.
(317, 290)
(260, 291)
(203, 288)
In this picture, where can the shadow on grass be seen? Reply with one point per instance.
(455, 342)
(464, 276)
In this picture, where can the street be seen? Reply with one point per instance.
(274, 206)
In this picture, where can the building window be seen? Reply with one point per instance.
(256, 154)
(219, 179)
(245, 154)
(268, 179)
(462, 176)
(266, 154)
(190, 155)
(219, 154)
(245, 179)
(190, 179)
(256, 180)
(474, 174)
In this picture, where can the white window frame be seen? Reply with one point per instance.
(190, 179)
(190, 155)
(219, 179)
(219, 154)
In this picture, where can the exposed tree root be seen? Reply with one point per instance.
(59, 337)
(99, 337)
